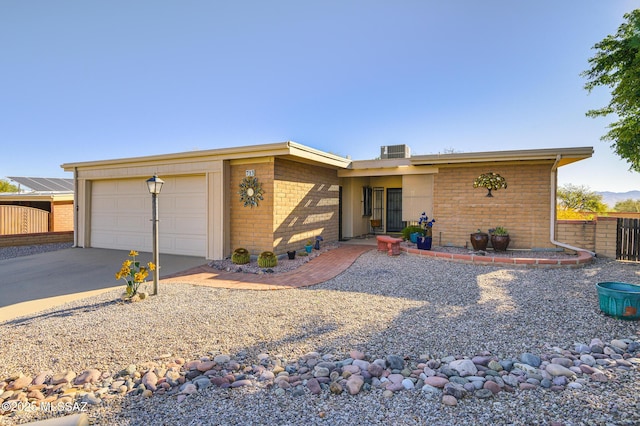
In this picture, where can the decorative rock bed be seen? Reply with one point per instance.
(450, 378)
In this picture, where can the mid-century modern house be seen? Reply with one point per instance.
(277, 196)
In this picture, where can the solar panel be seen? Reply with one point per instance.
(45, 184)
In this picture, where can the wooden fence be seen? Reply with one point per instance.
(22, 220)
(628, 239)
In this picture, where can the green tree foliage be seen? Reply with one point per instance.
(616, 65)
(579, 198)
(5, 186)
(627, 205)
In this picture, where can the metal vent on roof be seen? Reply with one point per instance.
(395, 151)
(45, 184)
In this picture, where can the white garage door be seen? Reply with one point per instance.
(121, 215)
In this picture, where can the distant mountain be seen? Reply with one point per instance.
(611, 198)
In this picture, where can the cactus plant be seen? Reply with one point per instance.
(267, 259)
(240, 256)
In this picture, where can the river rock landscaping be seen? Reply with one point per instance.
(392, 340)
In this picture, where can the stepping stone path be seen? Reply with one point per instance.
(450, 378)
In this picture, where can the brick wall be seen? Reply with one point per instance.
(252, 227)
(522, 208)
(300, 203)
(62, 216)
(578, 233)
(307, 201)
(36, 239)
(605, 236)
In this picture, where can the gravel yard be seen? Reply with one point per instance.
(414, 307)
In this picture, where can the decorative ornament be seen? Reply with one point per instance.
(490, 181)
(250, 191)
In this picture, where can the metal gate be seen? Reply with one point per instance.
(628, 239)
(394, 210)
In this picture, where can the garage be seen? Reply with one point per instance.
(121, 215)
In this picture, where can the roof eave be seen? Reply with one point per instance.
(567, 156)
(287, 148)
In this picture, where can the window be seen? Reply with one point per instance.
(366, 200)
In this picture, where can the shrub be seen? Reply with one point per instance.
(240, 256)
(406, 232)
(267, 259)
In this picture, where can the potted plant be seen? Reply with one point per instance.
(490, 181)
(291, 254)
(308, 246)
(479, 240)
(499, 238)
(424, 241)
(412, 232)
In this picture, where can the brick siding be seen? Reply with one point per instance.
(307, 205)
(252, 227)
(522, 208)
(300, 203)
(61, 216)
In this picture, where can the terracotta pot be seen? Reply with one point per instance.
(479, 241)
(500, 242)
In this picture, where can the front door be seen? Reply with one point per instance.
(394, 210)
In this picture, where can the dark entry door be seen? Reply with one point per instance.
(394, 210)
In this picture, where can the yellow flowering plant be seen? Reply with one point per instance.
(133, 273)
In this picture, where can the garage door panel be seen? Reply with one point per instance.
(190, 245)
(121, 213)
(134, 204)
(134, 223)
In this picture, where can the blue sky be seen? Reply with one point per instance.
(87, 81)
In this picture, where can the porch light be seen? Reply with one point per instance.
(155, 186)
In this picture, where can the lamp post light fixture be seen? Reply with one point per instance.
(155, 186)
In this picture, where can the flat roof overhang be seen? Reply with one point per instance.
(563, 155)
(289, 149)
(37, 196)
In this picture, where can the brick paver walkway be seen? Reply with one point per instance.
(322, 268)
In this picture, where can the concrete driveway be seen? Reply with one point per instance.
(32, 283)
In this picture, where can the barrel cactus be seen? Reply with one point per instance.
(240, 256)
(267, 259)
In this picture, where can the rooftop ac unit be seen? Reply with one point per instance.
(395, 151)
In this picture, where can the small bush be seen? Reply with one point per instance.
(406, 232)
(240, 256)
(267, 259)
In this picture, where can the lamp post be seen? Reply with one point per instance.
(155, 186)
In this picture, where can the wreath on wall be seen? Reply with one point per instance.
(250, 191)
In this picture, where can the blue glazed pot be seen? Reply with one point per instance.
(424, 243)
(413, 237)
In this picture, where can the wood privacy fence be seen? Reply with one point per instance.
(22, 220)
(628, 239)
